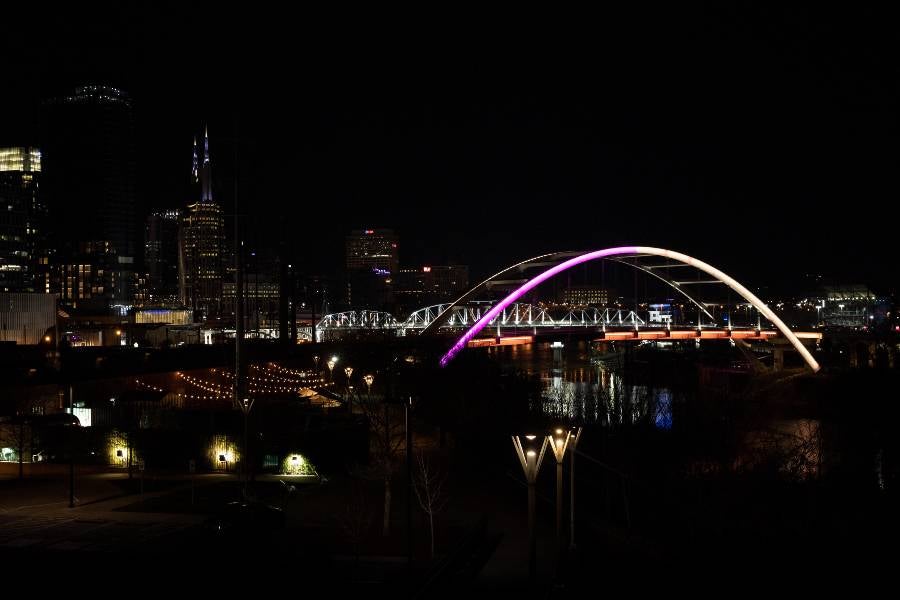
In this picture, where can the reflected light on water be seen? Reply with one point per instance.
(577, 389)
(598, 394)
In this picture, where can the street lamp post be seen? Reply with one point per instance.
(348, 371)
(246, 406)
(316, 363)
(369, 380)
(331, 364)
(574, 436)
(409, 484)
(70, 430)
(69, 438)
(559, 441)
(530, 458)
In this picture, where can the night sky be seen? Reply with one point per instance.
(761, 140)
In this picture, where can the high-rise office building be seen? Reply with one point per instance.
(372, 249)
(261, 290)
(89, 175)
(201, 244)
(371, 260)
(23, 252)
(87, 274)
(161, 256)
(415, 287)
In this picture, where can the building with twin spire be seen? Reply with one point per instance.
(201, 244)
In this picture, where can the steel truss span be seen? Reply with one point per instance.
(516, 316)
(623, 251)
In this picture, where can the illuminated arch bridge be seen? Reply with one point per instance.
(472, 317)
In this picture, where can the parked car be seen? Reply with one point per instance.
(246, 519)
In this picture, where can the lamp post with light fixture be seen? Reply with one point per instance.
(369, 380)
(246, 406)
(574, 436)
(559, 441)
(348, 371)
(530, 457)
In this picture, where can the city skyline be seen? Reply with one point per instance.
(280, 285)
(764, 144)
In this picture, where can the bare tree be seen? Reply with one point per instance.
(355, 521)
(386, 439)
(429, 488)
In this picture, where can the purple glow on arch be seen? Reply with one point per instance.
(678, 256)
(524, 289)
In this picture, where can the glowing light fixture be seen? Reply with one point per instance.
(530, 457)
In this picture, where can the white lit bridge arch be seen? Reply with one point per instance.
(557, 263)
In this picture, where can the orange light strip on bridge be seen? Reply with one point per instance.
(706, 334)
(662, 335)
(513, 340)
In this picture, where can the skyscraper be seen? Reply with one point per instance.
(372, 260)
(23, 256)
(89, 172)
(161, 256)
(372, 249)
(201, 244)
(416, 287)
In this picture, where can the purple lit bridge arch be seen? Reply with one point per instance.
(573, 259)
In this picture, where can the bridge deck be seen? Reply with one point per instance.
(703, 334)
(660, 334)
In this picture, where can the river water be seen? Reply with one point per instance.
(576, 388)
(600, 394)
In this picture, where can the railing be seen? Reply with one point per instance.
(516, 316)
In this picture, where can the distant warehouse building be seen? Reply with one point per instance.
(26, 318)
(163, 316)
(584, 295)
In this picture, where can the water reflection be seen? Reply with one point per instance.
(575, 388)
(783, 440)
